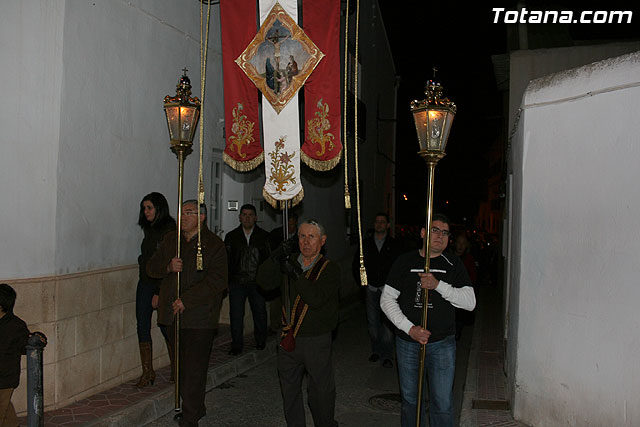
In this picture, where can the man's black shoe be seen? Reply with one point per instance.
(374, 358)
(234, 352)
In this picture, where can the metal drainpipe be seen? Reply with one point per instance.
(35, 396)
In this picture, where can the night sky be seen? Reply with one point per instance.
(459, 39)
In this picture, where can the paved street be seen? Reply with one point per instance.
(367, 393)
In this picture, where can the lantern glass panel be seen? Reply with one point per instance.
(435, 129)
(188, 120)
(173, 121)
(447, 129)
(420, 118)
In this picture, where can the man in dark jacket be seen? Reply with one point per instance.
(13, 338)
(199, 302)
(380, 251)
(247, 247)
(314, 288)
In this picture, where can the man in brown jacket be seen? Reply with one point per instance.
(199, 302)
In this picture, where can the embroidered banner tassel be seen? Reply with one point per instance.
(199, 262)
(347, 199)
(363, 272)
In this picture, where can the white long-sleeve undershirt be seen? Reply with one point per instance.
(463, 298)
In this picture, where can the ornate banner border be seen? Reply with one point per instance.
(315, 55)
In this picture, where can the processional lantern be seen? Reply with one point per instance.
(433, 117)
(182, 112)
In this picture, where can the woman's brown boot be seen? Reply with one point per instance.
(146, 356)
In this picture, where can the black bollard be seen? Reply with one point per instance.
(35, 396)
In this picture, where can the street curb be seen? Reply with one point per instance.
(467, 418)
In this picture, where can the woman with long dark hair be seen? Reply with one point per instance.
(155, 221)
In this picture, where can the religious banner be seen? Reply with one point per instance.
(322, 147)
(278, 61)
(280, 57)
(243, 151)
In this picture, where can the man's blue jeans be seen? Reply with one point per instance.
(440, 366)
(379, 332)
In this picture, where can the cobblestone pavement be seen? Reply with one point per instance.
(245, 391)
(367, 393)
(253, 398)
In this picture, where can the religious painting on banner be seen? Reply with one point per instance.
(280, 58)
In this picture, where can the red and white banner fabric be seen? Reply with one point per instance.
(243, 151)
(322, 147)
(281, 130)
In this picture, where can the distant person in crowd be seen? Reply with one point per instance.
(462, 248)
(13, 339)
(155, 221)
(380, 251)
(305, 348)
(199, 302)
(247, 247)
(449, 287)
(276, 237)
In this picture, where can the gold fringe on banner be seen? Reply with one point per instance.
(320, 165)
(243, 166)
(275, 202)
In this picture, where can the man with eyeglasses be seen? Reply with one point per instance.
(199, 302)
(449, 287)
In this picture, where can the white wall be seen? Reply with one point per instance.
(30, 82)
(85, 139)
(526, 65)
(576, 268)
(88, 80)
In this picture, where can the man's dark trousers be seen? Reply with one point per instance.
(195, 352)
(313, 356)
(238, 294)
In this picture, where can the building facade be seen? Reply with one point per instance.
(89, 139)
